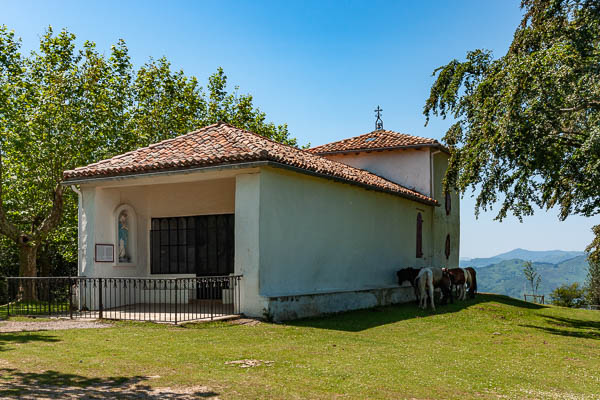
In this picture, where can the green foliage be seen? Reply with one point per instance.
(9, 258)
(65, 106)
(532, 276)
(527, 124)
(568, 295)
(593, 277)
(593, 283)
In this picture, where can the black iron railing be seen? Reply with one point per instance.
(171, 300)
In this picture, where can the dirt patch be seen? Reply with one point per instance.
(245, 321)
(54, 325)
(250, 363)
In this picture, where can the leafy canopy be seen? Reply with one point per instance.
(527, 124)
(64, 106)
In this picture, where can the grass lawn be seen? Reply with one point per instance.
(33, 308)
(491, 347)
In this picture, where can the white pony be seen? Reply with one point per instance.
(425, 287)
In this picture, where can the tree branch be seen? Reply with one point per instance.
(54, 217)
(583, 106)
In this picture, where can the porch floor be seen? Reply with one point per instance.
(199, 310)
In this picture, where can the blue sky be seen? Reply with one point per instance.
(320, 66)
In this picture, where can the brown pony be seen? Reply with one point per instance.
(410, 275)
(459, 280)
(464, 277)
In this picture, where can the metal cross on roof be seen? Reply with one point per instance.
(378, 121)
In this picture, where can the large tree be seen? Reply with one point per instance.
(526, 125)
(62, 106)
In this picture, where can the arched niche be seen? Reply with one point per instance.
(125, 235)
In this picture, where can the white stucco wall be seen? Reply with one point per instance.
(444, 224)
(247, 254)
(162, 200)
(408, 167)
(319, 236)
(295, 234)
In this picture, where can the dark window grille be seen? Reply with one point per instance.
(448, 203)
(419, 236)
(447, 246)
(201, 245)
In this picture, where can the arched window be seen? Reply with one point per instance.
(448, 203)
(447, 246)
(419, 235)
(125, 234)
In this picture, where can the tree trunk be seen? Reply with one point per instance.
(43, 260)
(27, 268)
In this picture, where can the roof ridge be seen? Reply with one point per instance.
(324, 158)
(383, 134)
(266, 138)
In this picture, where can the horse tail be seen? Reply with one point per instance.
(473, 287)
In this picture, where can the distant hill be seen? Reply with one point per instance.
(505, 276)
(550, 256)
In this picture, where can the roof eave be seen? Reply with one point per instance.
(104, 178)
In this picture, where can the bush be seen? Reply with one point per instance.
(568, 295)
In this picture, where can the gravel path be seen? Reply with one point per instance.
(54, 325)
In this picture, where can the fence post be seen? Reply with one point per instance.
(7, 298)
(49, 300)
(100, 306)
(70, 298)
(176, 301)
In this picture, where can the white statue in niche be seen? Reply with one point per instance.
(124, 256)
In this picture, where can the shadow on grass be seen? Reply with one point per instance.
(18, 338)
(574, 323)
(355, 321)
(52, 384)
(570, 327)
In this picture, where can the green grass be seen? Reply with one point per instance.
(490, 347)
(31, 308)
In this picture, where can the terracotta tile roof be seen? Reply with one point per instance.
(223, 144)
(376, 140)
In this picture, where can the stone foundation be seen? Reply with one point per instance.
(285, 308)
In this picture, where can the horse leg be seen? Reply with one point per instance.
(422, 295)
(431, 296)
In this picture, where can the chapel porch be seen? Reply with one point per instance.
(173, 300)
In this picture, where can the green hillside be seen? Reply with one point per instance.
(549, 256)
(506, 277)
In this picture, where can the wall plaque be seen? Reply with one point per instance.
(105, 252)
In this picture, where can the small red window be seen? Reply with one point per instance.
(448, 203)
(419, 235)
(447, 246)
